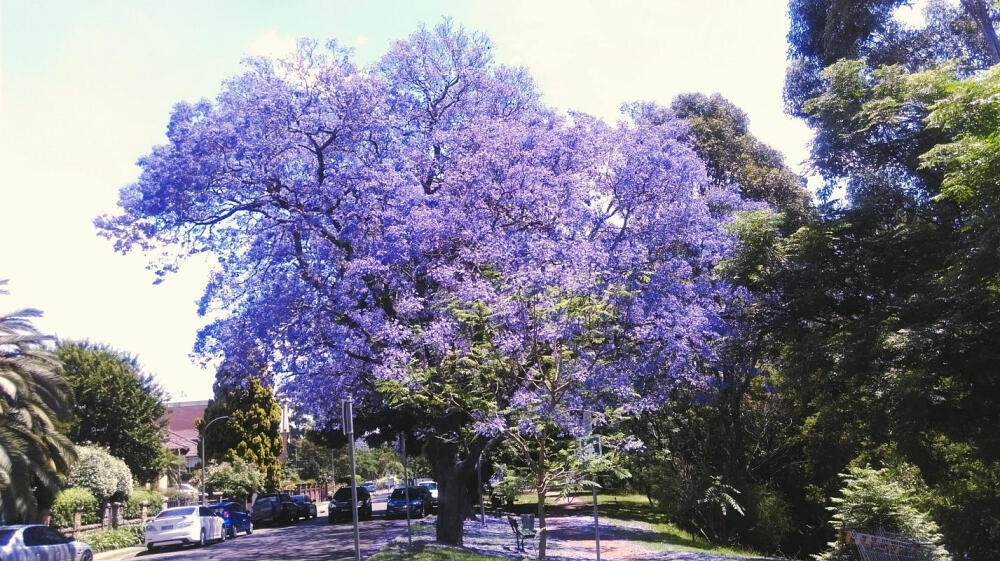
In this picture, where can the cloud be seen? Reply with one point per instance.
(272, 44)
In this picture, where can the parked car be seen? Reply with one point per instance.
(275, 508)
(420, 500)
(28, 542)
(184, 525)
(235, 517)
(369, 485)
(340, 505)
(307, 508)
(431, 486)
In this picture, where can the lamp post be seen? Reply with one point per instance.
(204, 435)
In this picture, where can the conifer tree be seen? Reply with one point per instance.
(252, 432)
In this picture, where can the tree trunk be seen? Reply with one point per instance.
(543, 535)
(542, 490)
(453, 496)
(981, 14)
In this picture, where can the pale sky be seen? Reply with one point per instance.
(86, 88)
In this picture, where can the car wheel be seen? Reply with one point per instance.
(150, 547)
(250, 529)
(232, 532)
(87, 556)
(201, 538)
(223, 534)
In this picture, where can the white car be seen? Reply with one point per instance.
(184, 525)
(34, 542)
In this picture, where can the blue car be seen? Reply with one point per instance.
(420, 502)
(235, 517)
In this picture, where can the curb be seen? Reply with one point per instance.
(118, 553)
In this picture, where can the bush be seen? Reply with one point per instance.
(133, 507)
(107, 540)
(883, 499)
(66, 503)
(237, 479)
(107, 477)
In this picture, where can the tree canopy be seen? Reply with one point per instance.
(251, 433)
(361, 215)
(116, 406)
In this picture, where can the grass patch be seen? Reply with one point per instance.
(431, 552)
(654, 530)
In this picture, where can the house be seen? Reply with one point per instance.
(181, 434)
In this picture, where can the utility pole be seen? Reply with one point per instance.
(349, 432)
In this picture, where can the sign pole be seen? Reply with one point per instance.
(479, 479)
(592, 448)
(406, 488)
(349, 431)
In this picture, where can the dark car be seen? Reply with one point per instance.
(420, 502)
(307, 508)
(433, 488)
(340, 505)
(275, 508)
(234, 516)
(34, 541)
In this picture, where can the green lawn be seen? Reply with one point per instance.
(430, 552)
(660, 532)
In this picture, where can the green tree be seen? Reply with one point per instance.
(891, 500)
(720, 135)
(34, 400)
(116, 406)
(252, 431)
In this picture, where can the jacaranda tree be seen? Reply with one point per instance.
(426, 226)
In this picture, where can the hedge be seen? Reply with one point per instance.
(66, 503)
(107, 540)
(133, 507)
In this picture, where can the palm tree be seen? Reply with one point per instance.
(34, 398)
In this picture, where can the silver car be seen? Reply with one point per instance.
(35, 542)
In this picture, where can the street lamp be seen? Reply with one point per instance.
(204, 435)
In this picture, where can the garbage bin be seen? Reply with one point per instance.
(528, 522)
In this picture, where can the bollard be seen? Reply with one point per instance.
(77, 521)
(106, 517)
(145, 512)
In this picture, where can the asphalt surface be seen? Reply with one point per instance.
(310, 540)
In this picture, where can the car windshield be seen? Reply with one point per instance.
(5, 536)
(430, 486)
(401, 493)
(186, 511)
(299, 498)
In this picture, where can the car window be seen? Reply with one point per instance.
(6, 535)
(54, 536)
(204, 511)
(184, 511)
(35, 536)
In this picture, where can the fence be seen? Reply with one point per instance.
(113, 518)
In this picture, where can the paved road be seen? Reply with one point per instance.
(311, 540)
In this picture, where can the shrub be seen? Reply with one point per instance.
(133, 507)
(883, 499)
(107, 477)
(107, 540)
(237, 479)
(66, 503)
